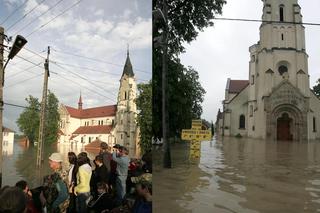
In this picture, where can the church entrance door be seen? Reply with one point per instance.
(283, 128)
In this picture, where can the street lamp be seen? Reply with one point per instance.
(161, 15)
(16, 47)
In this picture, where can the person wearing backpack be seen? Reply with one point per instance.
(55, 190)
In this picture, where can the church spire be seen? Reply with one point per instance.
(128, 66)
(80, 102)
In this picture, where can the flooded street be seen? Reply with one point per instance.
(20, 163)
(239, 175)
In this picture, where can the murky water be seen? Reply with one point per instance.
(19, 162)
(239, 175)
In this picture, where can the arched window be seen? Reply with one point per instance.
(281, 13)
(242, 122)
(282, 69)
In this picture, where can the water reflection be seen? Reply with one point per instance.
(240, 175)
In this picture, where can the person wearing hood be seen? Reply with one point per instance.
(82, 190)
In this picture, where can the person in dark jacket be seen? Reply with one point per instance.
(25, 188)
(12, 199)
(144, 203)
(103, 201)
(100, 174)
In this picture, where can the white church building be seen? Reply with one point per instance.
(112, 124)
(276, 102)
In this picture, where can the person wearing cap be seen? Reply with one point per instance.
(122, 160)
(55, 190)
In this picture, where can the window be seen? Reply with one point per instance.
(282, 69)
(242, 122)
(251, 111)
(89, 139)
(125, 95)
(121, 136)
(314, 124)
(281, 13)
(252, 79)
(121, 122)
(82, 139)
(282, 38)
(102, 122)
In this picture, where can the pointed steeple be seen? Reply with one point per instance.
(80, 102)
(128, 66)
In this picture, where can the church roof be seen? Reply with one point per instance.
(100, 129)
(128, 67)
(236, 86)
(103, 111)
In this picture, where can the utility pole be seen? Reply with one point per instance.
(43, 112)
(165, 117)
(1, 97)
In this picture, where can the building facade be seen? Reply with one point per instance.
(112, 124)
(8, 141)
(276, 102)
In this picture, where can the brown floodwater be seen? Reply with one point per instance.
(239, 175)
(19, 162)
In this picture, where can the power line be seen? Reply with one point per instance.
(63, 12)
(37, 18)
(13, 12)
(77, 83)
(83, 78)
(22, 71)
(25, 15)
(263, 21)
(97, 60)
(11, 85)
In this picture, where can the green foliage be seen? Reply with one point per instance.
(52, 119)
(185, 93)
(145, 116)
(29, 120)
(238, 135)
(187, 18)
(212, 129)
(316, 89)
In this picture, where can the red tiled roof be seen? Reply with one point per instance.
(95, 112)
(236, 86)
(94, 146)
(101, 129)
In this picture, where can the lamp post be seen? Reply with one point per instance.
(16, 47)
(163, 42)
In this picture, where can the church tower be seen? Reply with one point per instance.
(126, 107)
(278, 73)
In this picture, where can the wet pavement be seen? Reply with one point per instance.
(239, 175)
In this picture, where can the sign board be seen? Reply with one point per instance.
(196, 124)
(194, 153)
(199, 135)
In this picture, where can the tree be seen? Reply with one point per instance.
(185, 20)
(316, 89)
(52, 119)
(145, 116)
(29, 120)
(212, 129)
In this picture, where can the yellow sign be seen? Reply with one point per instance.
(194, 153)
(196, 124)
(195, 145)
(199, 135)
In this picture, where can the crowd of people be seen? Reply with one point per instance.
(112, 182)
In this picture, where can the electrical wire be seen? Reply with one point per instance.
(22, 71)
(11, 85)
(37, 18)
(263, 21)
(63, 12)
(25, 15)
(13, 12)
(97, 60)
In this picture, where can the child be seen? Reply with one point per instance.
(103, 201)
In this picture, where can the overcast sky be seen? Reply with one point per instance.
(222, 51)
(94, 28)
